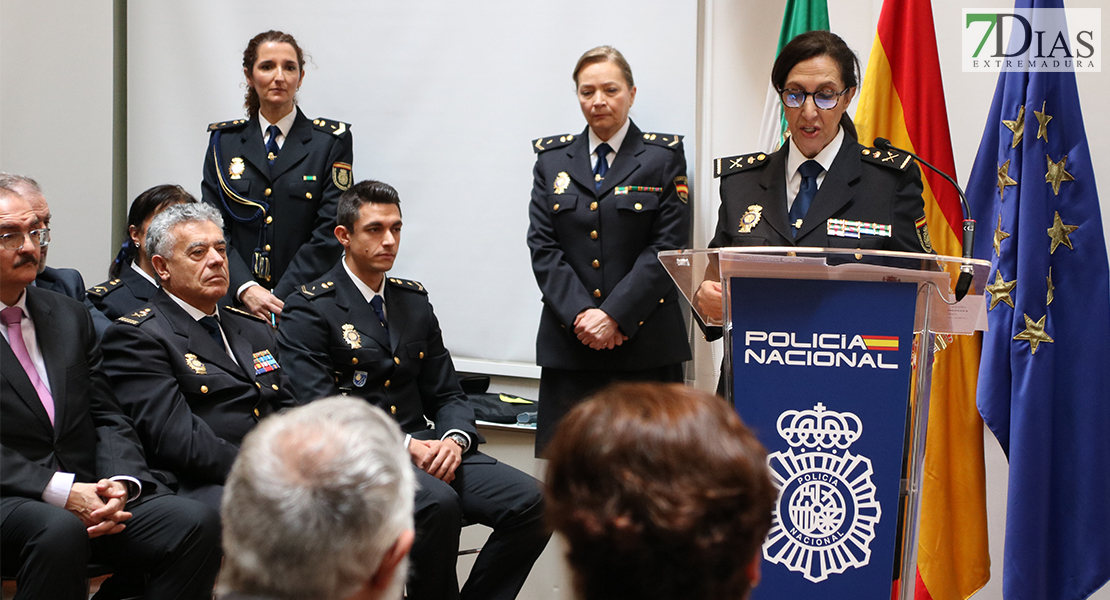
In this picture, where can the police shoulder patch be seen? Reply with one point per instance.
(734, 164)
(336, 128)
(317, 288)
(408, 284)
(243, 313)
(137, 317)
(667, 140)
(891, 159)
(550, 143)
(222, 125)
(105, 288)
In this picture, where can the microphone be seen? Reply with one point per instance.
(967, 272)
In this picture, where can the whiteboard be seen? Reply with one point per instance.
(444, 98)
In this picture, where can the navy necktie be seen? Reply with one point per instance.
(213, 327)
(376, 304)
(602, 166)
(271, 145)
(810, 169)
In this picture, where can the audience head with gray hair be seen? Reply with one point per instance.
(30, 191)
(319, 506)
(189, 253)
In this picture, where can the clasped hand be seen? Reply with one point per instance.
(596, 329)
(438, 458)
(99, 506)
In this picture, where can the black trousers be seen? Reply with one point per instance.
(563, 389)
(487, 492)
(172, 542)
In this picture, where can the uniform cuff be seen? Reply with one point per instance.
(243, 288)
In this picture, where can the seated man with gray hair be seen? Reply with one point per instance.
(319, 506)
(193, 379)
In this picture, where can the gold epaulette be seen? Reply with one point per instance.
(105, 288)
(336, 128)
(550, 143)
(408, 284)
(221, 125)
(735, 164)
(243, 313)
(888, 158)
(137, 317)
(667, 140)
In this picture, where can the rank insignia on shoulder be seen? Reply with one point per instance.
(194, 363)
(336, 128)
(318, 288)
(104, 288)
(137, 317)
(668, 140)
(221, 125)
(341, 175)
(923, 234)
(405, 283)
(243, 313)
(735, 164)
(264, 362)
(751, 218)
(550, 143)
(887, 158)
(682, 186)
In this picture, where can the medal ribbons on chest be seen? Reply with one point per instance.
(264, 362)
(853, 229)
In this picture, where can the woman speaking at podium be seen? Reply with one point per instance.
(822, 188)
(276, 177)
(604, 203)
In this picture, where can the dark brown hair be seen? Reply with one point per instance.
(812, 44)
(661, 493)
(364, 192)
(250, 56)
(146, 205)
(602, 54)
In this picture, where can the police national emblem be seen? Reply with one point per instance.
(826, 512)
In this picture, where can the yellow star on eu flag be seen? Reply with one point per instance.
(1043, 119)
(1000, 290)
(1004, 179)
(1056, 173)
(1051, 288)
(999, 235)
(1034, 333)
(1017, 126)
(1059, 233)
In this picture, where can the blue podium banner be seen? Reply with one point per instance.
(821, 372)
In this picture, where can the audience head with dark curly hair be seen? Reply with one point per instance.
(661, 492)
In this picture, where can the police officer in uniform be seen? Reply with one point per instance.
(276, 177)
(193, 379)
(358, 332)
(132, 280)
(822, 188)
(610, 310)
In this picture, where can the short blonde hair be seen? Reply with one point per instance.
(602, 54)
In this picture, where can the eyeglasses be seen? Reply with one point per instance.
(14, 241)
(825, 100)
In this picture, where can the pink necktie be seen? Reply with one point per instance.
(11, 317)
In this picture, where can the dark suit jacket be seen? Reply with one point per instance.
(126, 294)
(91, 437)
(68, 282)
(190, 402)
(596, 249)
(302, 194)
(856, 188)
(408, 374)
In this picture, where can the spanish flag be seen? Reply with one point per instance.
(903, 101)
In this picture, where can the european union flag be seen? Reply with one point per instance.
(1044, 382)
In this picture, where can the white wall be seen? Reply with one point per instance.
(56, 120)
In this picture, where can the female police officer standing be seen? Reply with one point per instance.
(822, 189)
(604, 203)
(276, 177)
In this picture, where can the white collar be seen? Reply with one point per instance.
(614, 142)
(284, 124)
(825, 157)
(367, 292)
(135, 266)
(194, 312)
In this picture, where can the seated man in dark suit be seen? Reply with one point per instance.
(194, 380)
(74, 485)
(64, 281)
(358, 332)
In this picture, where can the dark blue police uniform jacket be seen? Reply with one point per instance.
(300, 194)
